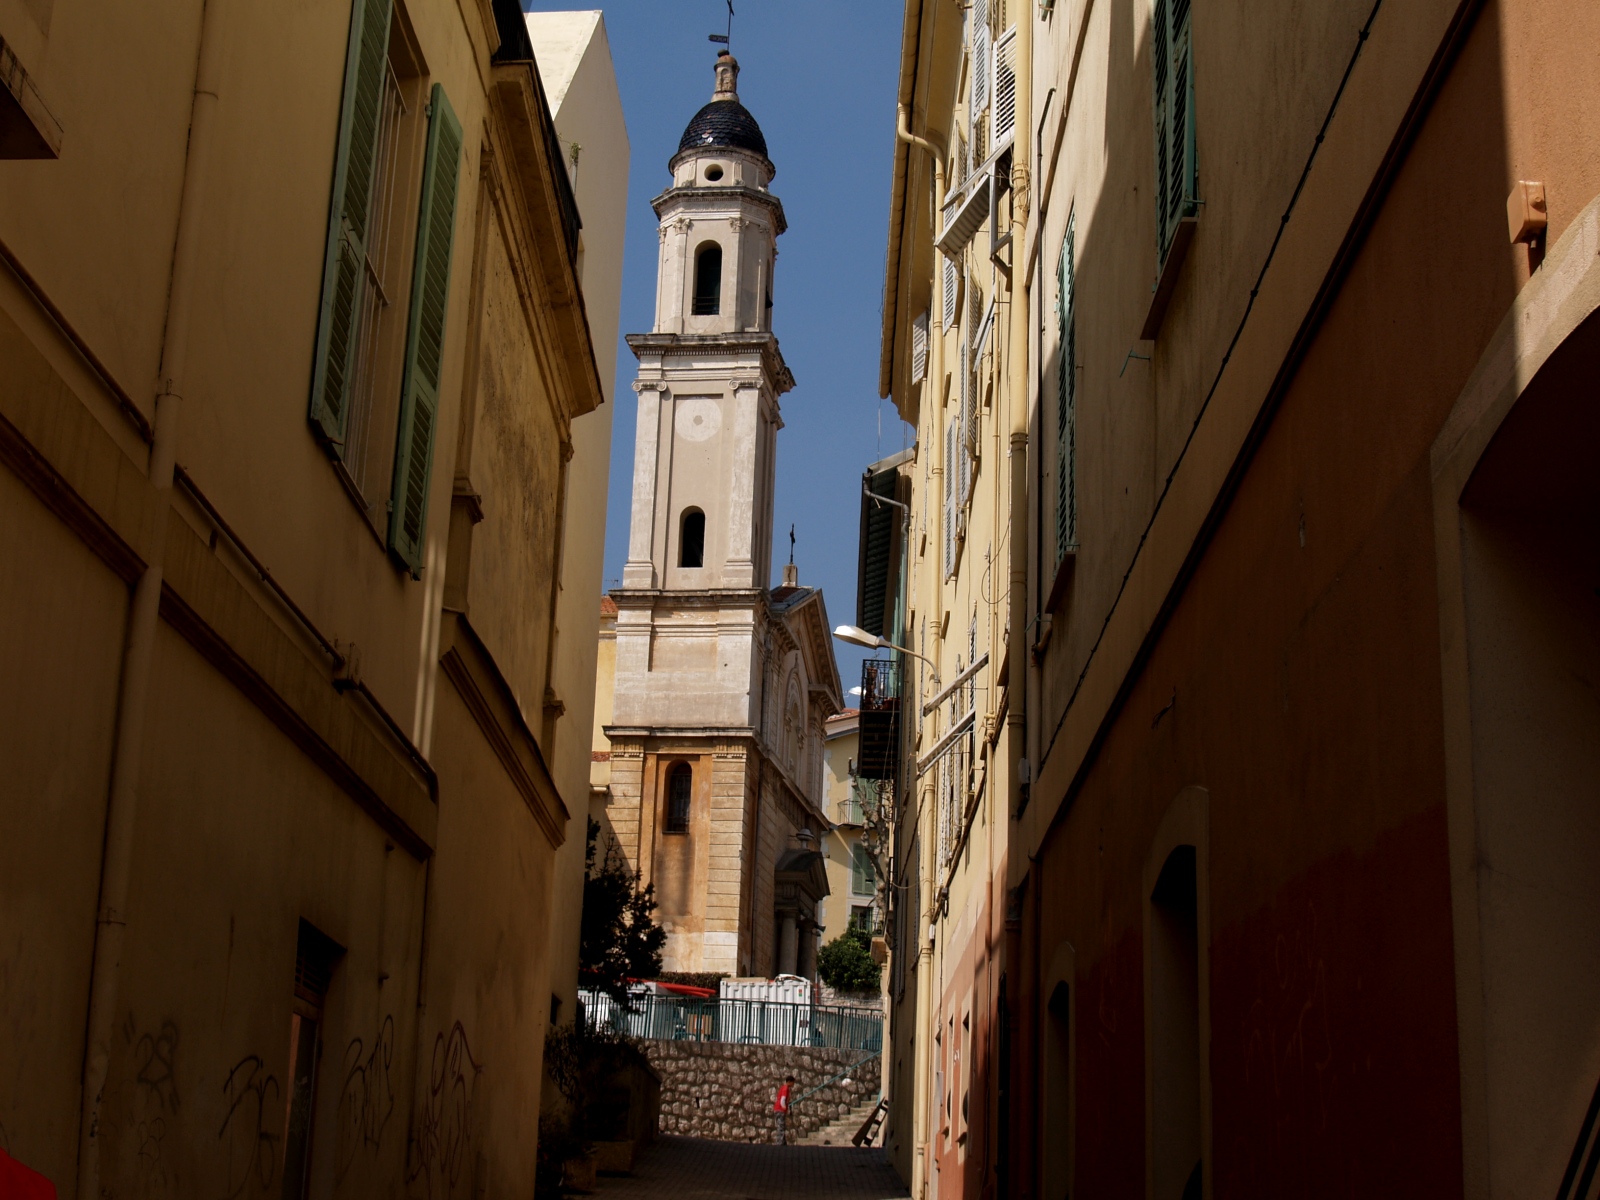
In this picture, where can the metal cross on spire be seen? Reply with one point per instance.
(726, 39)
(791, 528)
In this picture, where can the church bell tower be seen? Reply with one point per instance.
(722, 682)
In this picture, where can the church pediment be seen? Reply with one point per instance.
(804, 870)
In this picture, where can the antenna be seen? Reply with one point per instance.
(725, 38)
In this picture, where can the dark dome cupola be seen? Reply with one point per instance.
(724, 123)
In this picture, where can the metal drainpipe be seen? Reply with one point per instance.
(144, 616)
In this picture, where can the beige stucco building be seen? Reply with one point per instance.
(295, 378)
(1270, 435)
(852, 873)
(574, 59)
(721, 684)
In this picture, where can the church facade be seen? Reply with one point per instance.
(721, 683)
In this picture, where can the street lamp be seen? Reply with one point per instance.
(857, 636)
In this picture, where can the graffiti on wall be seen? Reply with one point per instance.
(255, 1108)
(150, 1103)
(366, 1097)
(445, 1128)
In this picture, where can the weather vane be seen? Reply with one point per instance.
(726, 38)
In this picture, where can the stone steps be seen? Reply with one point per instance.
(844, 1128)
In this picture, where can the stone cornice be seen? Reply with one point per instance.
(766, 344)
(717, 198)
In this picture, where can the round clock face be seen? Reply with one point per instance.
(698, 418)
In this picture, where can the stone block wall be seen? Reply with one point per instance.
(724, 1090)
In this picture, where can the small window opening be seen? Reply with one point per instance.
(1175, 1026)
(692, 544)
(680, 785)
(713, 172)
(708, 281)
(316, 955)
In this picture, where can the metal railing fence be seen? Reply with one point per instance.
(752, 1022)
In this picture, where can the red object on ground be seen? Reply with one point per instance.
(18, 1182)
(678, 989)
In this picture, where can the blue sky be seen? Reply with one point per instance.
(819, 75)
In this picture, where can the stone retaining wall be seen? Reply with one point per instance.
(725, 1090)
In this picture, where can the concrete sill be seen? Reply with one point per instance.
(1182, 236)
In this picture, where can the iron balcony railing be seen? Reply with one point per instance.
(750, 1022)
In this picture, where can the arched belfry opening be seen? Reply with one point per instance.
(708, 280)
(692, 539)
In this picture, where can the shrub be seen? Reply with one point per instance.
(846, 962)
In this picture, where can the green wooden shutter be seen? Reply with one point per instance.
(1067, 402)
(1172, 53)
(349, 220)
(430, 295)
(863, 878)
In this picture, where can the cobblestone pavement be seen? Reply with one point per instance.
(697, 1169)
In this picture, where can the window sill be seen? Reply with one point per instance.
(1058, 587)
(27, 127)
(1167, 283)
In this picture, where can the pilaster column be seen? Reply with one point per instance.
(739, 571)
(789, 946)
(640, 571)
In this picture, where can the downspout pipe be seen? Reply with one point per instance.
(133, 697)
(1019, 330)
(1016, 712)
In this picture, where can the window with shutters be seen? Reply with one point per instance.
(377, 367)
(863, 877)
(949, 287)
(1172, 62)
(919, 348)
(981, 54)
(361, 328)
(951, 470)
(316, 955)
(1003, 113)
(1066, 402)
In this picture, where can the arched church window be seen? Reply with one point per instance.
(680, 787)
(692, 540)
(708, 281)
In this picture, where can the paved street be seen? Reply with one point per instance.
(696, 1169)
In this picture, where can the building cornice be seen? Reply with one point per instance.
(660, 345)
(718, 197)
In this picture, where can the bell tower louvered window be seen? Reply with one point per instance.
(1172, 54)
(1066, 402)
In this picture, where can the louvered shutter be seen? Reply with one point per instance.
(1173, 72)
(964, 437)
(430, 295)
(1003, 116)
(919, 348)
(950, 471)
(981, 54)
(1067, 402)
(950, 282)
(349, 220)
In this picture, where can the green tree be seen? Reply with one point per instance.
(619, 938)
(846, 962)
